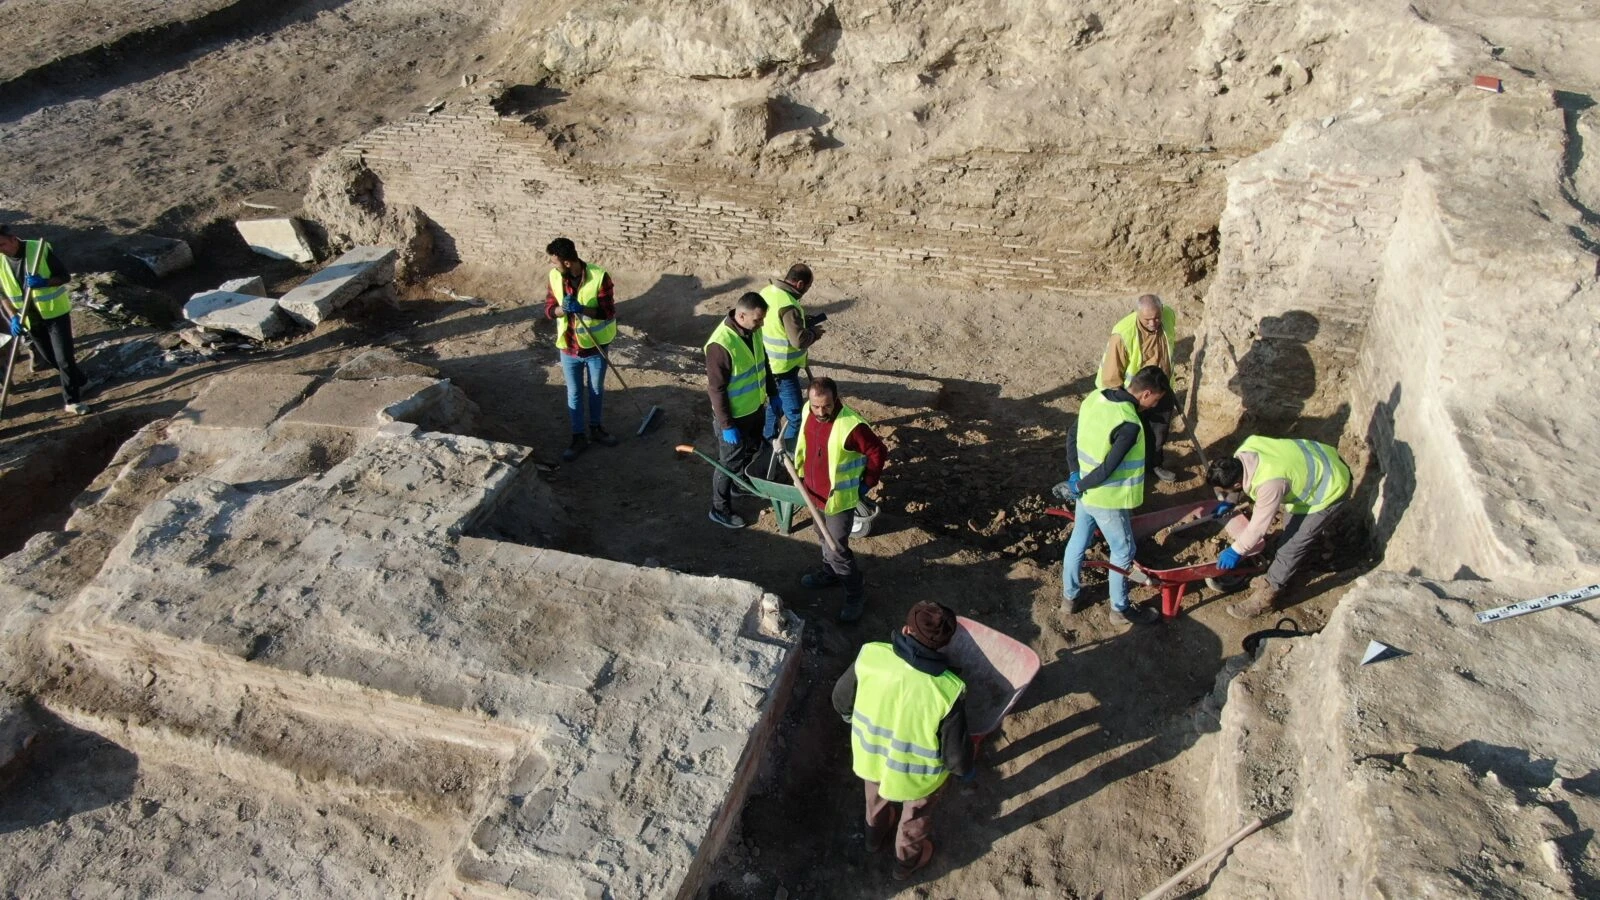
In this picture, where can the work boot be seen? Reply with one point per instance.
(1262, 598)
(1164, 474)
(816, 581)
(1134, 615)
(852, 609)
(575, 449)
(601, 436)
(905, 869)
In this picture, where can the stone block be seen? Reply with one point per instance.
(745, 128)
(381, 363)
(342, 281)
(250, 401)
(163, 256)
(254, 286)
(280, 238)
(251, 315)
(364, 405)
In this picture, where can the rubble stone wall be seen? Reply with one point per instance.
(498, 191)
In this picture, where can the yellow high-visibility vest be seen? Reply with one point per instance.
(895, 724)
(747, 383)
(782, 356)
(845, 466)
(602, 331)
(1128, 330)
(50, 302)
(1097, 418)
(1317, 477)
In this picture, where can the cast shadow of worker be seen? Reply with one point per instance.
(1390, 478)
(1061, 748)
(64, 772)
(1277, 375)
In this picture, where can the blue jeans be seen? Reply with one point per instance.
(790, 398)
(1117, 526)
(574, 368)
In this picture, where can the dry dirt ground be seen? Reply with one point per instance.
(1086, 792)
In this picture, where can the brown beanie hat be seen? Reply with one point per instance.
(932, 624)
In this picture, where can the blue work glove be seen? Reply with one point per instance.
(570, 305)
(1223, 509)
(730, 435)
(38, 281)
(1228, 560)
(16, 326)
(971, 776)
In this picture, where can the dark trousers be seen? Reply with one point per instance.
(916, 823)
(1295, 544)
(1157, 421)
(735, 457)
(843, 563)
(52, 339)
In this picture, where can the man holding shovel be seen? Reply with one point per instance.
(581, 301)
(33, 272)
(844, 461)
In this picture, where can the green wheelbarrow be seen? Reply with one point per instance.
(785, 498)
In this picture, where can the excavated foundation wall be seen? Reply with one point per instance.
(497, 191)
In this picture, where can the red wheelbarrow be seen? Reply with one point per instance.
(996, 670)
(1174, 582)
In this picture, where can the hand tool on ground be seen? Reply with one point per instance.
(1194, 867)
(784, 498)
(1538, 604)
(811, 506)
(22, 313)
(655, 412)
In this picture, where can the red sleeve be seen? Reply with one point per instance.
(863, 441)
(607, 300)
(550, 302)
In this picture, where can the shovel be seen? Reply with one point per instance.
(27, 306)
(655, 413)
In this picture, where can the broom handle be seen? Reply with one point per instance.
(1193, 867)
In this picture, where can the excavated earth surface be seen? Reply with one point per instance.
(299, 662)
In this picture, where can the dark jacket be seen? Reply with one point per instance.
(955, 741)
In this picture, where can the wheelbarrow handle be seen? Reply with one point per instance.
(1132, 573)
(738, 479)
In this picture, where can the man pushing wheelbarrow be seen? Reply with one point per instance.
(908, 708)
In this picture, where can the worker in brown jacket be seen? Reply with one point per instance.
(1145, 337)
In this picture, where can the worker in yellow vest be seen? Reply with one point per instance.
(1145, 337)
(839, 460)
(908, 724)
(31, 267)
(582, 302)
(1305, 479)
(1106, 466)
(786, 334)
(738, 383)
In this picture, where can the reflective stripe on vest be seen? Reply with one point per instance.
(845, 466)
(1128, 330)
(1097, 418)
(747, 382)
(1317, 477)
(603, 331)
(782, 356)
(50, 302)
(894, 725)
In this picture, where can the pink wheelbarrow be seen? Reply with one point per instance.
(996, 669)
